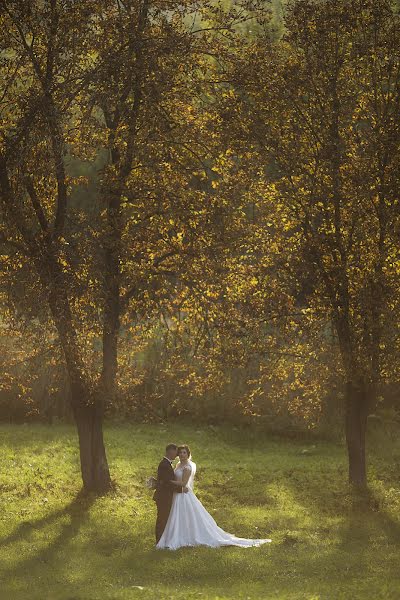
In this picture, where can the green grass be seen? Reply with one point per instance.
(328, 543)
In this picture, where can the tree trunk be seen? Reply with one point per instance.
(87, 404)
(356, 427)
(356, 400)
(94, 466)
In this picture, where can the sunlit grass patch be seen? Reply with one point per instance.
(327, 541)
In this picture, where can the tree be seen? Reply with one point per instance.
(43, 66)
(149, 109)
(121, 81)
(325, 122)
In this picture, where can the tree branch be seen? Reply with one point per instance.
(36, 204)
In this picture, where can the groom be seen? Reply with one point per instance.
(165, 489)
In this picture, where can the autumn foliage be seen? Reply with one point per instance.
(199, 214)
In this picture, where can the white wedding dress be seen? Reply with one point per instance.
(189, 524)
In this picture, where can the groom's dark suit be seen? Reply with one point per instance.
(163, 495)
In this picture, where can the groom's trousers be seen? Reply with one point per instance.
(163, 510)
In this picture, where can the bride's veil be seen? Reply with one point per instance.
(192, 474)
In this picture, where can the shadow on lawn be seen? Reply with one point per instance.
(292, 567)
(362, 509)
(350, 554)
(77, 510)
(367, 516)
(300, 562)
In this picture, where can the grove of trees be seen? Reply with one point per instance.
(199, 213)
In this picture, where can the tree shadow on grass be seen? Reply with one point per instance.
(367, 515)
(357, 547)
(328, 547)
(26, 528)
(77, 511)
(294, 568)
(295, 565)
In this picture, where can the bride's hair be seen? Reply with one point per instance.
(184, 447)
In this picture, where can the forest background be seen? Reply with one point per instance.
(200, 217)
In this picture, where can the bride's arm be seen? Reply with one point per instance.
(187, 471)
(186, 475)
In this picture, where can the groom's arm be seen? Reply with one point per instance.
(163, 476)
(178, 487)
(164, 480)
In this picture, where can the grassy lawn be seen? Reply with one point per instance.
(327, 542)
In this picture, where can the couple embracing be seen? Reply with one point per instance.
(182, 520)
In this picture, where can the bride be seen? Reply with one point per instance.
(189, 524)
